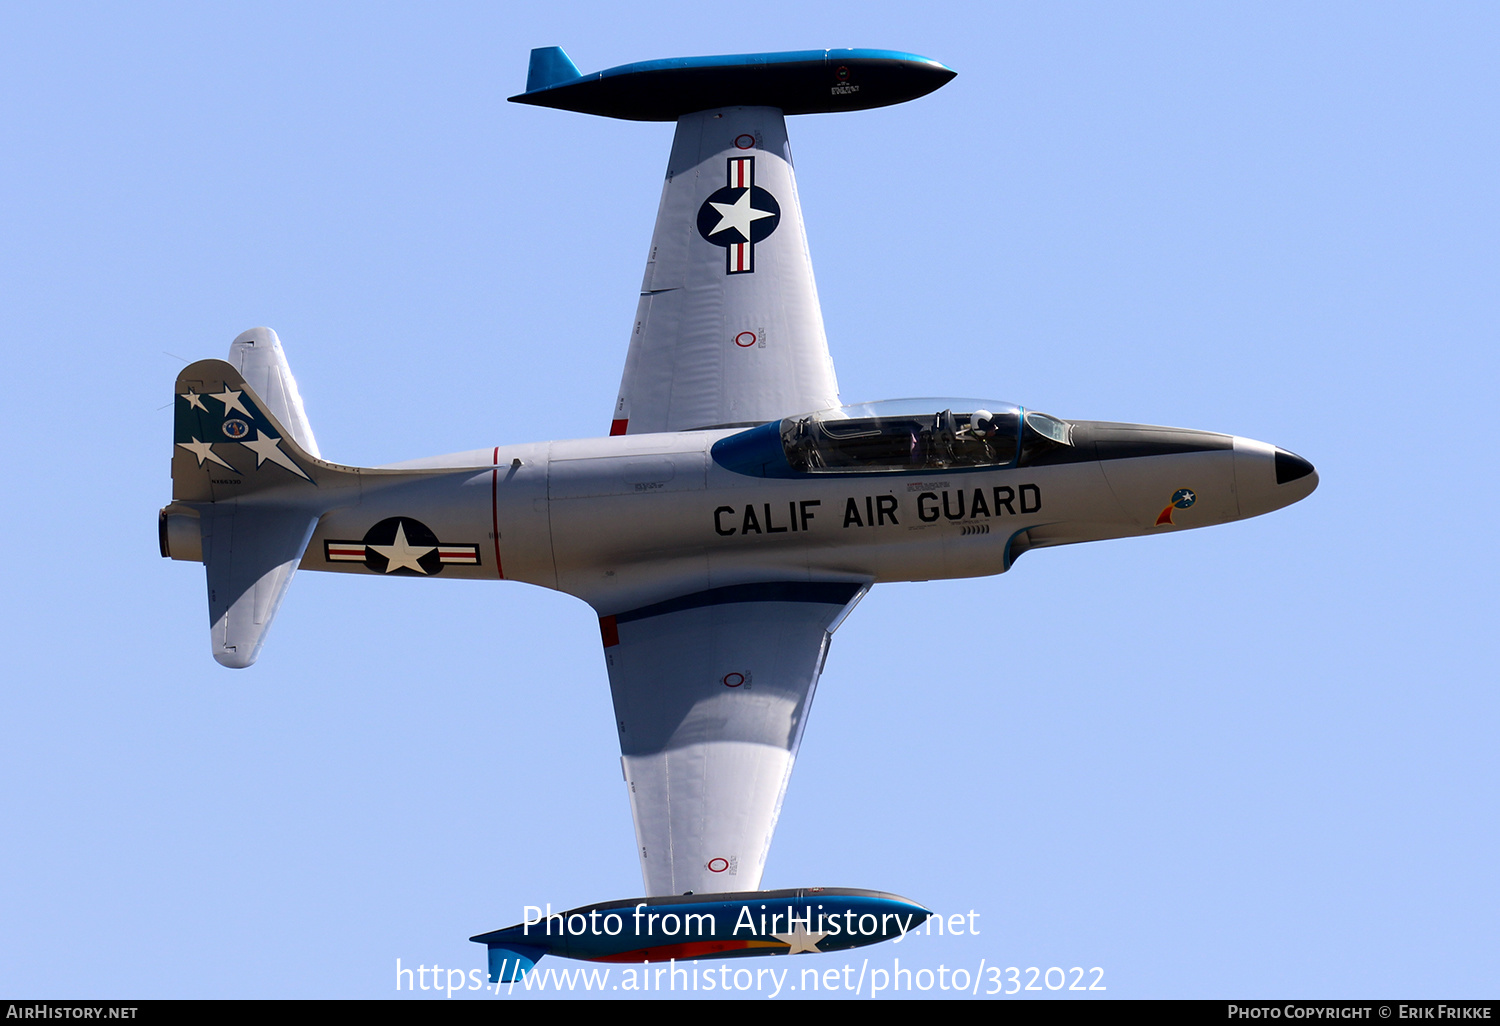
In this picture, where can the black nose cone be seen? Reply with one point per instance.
(1290, 467)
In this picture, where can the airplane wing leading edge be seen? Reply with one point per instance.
(728, 330)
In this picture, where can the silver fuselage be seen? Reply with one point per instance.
(626, 521)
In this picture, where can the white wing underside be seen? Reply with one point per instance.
(728, 331)
(711, 694)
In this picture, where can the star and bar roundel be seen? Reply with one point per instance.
(738, 216)
(401, 545)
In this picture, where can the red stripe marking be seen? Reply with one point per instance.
(609, 631)
(617, 427)
(495, 512)
(1165, 517)
(682, 952)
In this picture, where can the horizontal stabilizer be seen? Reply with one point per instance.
(549, 67)
(251, 553)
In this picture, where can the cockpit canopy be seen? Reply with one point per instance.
(902, 435)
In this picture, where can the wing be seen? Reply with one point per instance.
(711, 695)
(728, 330)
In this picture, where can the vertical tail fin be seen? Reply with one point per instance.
(258, 356)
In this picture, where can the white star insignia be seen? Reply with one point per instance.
(204, 451)
(270, 449)
(738, 215)
(195, 401)
(399, 553)
(800, 939)
(231, 400)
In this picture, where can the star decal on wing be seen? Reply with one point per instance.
(231, 400)
(204, 451)
(267, 448)
(194, 401)
(800, 940)
(738, 215)
(400, 553)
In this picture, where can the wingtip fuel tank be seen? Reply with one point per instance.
(727, 925)
(796, 82)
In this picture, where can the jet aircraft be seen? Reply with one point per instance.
(750, 508)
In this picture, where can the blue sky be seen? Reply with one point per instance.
(1255, 760)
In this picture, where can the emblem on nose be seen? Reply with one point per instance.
(1182, 498)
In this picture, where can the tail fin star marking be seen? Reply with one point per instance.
(267, 448)
(231, 400)
(198, 429)
(204, 451)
